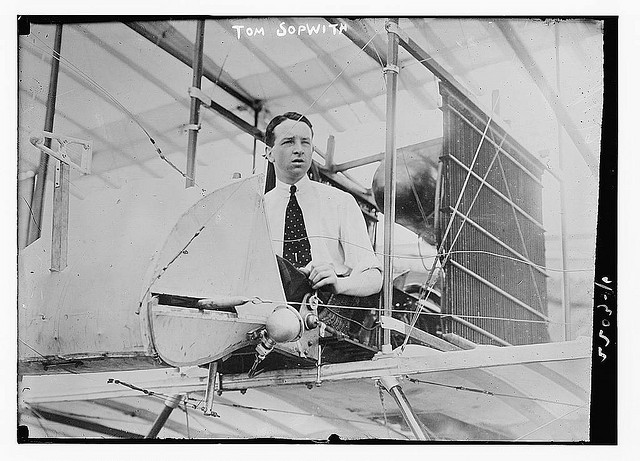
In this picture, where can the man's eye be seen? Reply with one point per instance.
(306, 142)
(286, 141)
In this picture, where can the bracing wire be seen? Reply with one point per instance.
(258, 300)
(551, 422)
(188, 403)
(490, 393)
(450, 223)
(396, 256)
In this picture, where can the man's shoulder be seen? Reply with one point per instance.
(331, 192)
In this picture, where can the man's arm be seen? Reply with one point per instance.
(361, 282)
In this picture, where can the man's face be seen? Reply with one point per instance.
(291, 151)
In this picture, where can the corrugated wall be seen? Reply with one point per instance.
(484, 285)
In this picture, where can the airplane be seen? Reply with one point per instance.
(162, 265)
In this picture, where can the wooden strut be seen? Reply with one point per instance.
(194, 111)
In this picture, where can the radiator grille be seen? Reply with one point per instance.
(497, 295)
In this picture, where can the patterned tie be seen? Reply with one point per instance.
(296, 247)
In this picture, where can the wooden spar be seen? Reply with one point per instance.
(393, 365)
(358, 162)
(170, 381)
(194, 110)
(37, 200)
(391, 72)
(422, 336)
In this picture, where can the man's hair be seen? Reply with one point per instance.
(270, 137)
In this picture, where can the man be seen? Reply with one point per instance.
(317, 228)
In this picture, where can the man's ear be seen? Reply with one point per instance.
(267, 153)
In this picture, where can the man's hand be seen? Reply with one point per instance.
(321, 274)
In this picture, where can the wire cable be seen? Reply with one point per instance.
(100, 88)
(490, 393)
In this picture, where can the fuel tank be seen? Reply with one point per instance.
(416, 177)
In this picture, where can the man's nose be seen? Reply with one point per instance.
(297, 146)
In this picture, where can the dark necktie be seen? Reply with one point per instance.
(296, 247)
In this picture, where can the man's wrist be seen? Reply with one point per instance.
(339, 285)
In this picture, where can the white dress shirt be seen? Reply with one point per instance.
(335, 226)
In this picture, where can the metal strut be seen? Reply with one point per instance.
(392, 385)
(169, 405)
(391, 71)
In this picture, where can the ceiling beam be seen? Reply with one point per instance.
(561, 112)
(431, 37)
(182, 99)
(335, 69)
(376, 51)
(287, 80)
(165, 36)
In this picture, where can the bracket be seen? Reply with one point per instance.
(61, 153)
(391, 68)
(200, 95)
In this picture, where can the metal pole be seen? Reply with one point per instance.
(194, 113)
(566, 292)
(169, 405)
(211, 389)
(392, 385)
(391, 72)
(37, 199)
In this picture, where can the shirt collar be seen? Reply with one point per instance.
(302, 185)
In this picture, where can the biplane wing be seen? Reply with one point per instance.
(526, 393)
